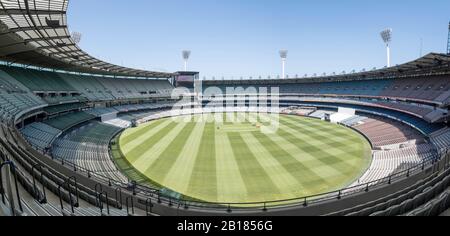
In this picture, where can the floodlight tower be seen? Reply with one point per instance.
(186, 54)
(448, 42)
(76, 37)
(386, 35)
(283, 55)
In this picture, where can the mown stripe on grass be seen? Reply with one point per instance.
(347, 145)
(327, 141)
(135, 153)
(307, 159)
(133, 134)
(179, 175)
(143, 138)
(343, 144)
(164, 162)
(303, 174)
(288, 184)
(203, 180)
(348, 163)
(230, 183)
(147, 158)
(327, 129)
(258, 184)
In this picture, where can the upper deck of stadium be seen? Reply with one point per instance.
(35, 33)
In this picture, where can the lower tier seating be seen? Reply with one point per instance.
(383, 132)
(40, 135)
(88, 147)
(442, 140)
(387, 163)
(426, 197)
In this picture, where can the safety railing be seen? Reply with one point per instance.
(10, 172)
(41, 199)
(72, 187)
(157, 197)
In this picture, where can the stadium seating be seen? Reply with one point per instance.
(9, 84)
(387, 163)
(408, 201)
(65, 122)
(40, 135)
(419, 124)
(441, 139)
(384, 132)
(355, 120)
(98, 88)
(98, 112)
(432, 89)
(55, 100)
(15, 103)
(401, 117)
(91, 87)
(51, 110)
(88, 147)
(35, 80)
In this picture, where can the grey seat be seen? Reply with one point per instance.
(420, 199)
(446, 202)
(395, 210)
(431, 192)
(446, 182)
(422, 211)
(407, 206)
(439, 205)
(380, 213)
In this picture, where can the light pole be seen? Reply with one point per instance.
(283, 55)
(386, 35)
(448, 42)
(186, 54)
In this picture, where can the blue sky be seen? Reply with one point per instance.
(234, 38)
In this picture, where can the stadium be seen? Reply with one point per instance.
(83, 137)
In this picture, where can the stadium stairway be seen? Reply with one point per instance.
(86, 205)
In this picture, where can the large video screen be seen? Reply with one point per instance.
(186, 81)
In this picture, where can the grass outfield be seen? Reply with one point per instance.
(236, 162)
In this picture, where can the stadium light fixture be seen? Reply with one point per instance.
(186, 55)
(76, 37)
(386, 35)
(283, 55)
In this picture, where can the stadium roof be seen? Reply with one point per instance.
(35, 33)
(431, 64)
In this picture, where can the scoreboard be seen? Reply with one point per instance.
(186, 79)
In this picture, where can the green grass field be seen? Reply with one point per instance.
(236, 162)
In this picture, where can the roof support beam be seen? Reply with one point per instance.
(12, 12)
(29, 28)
